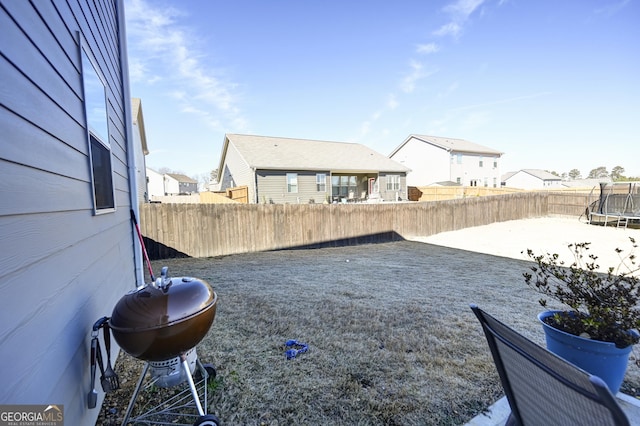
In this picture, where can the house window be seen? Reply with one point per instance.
(95, 105)
(486, 182)
(495, 182)
(480, 162)
(458, 180)
(292, 182)
(343, 185)
(459, 158)
(101, 171)
(321, 182)
(393, 182)
(495, 164)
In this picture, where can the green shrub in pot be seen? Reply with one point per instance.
(601, 306)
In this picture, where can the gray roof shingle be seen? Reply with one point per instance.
(452, 145)
(538, 173)
(276, 153)
(182, 178)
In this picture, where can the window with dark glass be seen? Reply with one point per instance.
(95, 104)
(102, 182)
(343, 185)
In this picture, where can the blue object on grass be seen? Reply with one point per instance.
(293, 352)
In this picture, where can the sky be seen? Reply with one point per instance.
(554, 85)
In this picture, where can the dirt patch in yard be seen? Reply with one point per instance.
(391, 338)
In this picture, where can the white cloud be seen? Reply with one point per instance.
(159, 45)
(463, 8)
(427, 48)
(459, 12)
(408, 83)
(452, 28)
(365, 127)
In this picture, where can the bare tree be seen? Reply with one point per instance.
(203, 181)
(167, 170)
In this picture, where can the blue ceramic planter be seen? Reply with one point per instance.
(602, 359)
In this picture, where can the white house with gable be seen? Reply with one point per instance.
(155, 184)
(435, 159)
(532, 179)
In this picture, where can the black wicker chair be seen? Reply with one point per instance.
(542, 388)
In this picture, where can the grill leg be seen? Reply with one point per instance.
(192, 386)
(132, 401)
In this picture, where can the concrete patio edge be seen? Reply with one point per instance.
(498, 412)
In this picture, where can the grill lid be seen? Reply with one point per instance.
(150, 306)
(162, 320)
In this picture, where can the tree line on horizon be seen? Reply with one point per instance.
(616, 174)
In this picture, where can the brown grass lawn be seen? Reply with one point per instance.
(391, 338)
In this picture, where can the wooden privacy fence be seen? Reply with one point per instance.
(204, 230)
(440, 193)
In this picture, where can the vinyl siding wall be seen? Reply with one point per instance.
(392, 195)
(171, 185)
(524, 180)
(272, 187)
(428, 163)
(236, 172)
(61, 266)
(141, 173)
(156, 184)
(475, 169)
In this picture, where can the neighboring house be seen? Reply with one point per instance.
(140, 142)
(445, 183)
(531, 179)
(283, 170)
(161, 185)
(155, 184)
(586, 183)
(177, 184)
(69, 249)
(435, 159)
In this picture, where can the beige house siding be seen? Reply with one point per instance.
(271, 157)
(391, 194)
(273, 187)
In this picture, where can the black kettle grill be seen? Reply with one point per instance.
(161, 323)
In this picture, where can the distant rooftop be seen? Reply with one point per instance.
(452, 145)
(276, 153)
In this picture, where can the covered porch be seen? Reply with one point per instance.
(354, 187)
